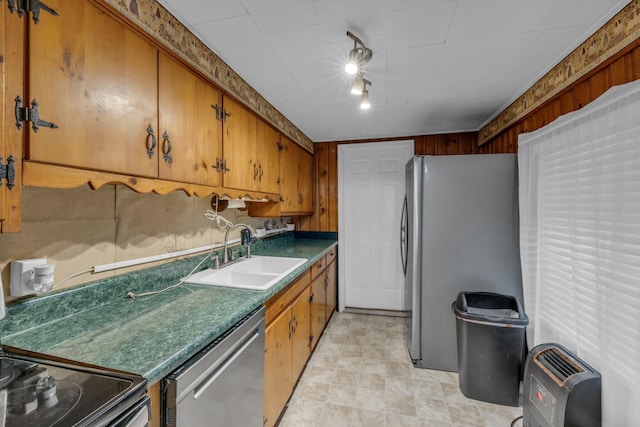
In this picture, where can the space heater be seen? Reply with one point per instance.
(560, 390)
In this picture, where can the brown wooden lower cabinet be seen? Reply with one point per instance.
(155, 394)
(278, 363)
(318, 308)
(294, 322)
(323, 295)
(332, 288)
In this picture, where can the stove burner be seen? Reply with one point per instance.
(46, 412)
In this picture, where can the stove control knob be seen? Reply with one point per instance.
(46, 391)
(30, 402)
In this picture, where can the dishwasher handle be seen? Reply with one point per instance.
(204, 386)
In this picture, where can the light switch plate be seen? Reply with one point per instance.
(22, 276)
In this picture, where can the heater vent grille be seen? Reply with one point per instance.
(556, 363)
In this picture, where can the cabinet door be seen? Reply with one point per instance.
(305, 181)
(289, 170)
(239, 147)
(318, 307)
(268, 156)
(3, 111)
(332, 288)
(188, 120)
(12, 52)
(97, 81)
(278, 374)
(301, 345)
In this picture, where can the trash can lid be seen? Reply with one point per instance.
(489, 307)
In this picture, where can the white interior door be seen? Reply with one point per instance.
(371, 189)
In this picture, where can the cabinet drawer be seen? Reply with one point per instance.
(282, 299)
(331, 255)
(318, 267)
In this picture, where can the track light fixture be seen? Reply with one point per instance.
(358, 56)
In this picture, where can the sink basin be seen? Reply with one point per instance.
(257, 273)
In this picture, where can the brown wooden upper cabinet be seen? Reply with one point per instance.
(97, 81)
(3, 130)
(296, 174)
(239, 146)
(267, 144)
(251, 154)
(296, 183)
(107, 99)
(190, 132)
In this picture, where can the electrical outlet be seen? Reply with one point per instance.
(23, 276)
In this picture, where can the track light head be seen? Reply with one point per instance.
(353, 64)
(364, 101)
(358, 84)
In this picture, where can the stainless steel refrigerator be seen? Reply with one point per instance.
(459, 232)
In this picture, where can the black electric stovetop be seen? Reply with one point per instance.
(41, 393)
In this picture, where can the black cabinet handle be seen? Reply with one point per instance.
(151, 141)
(166, 148)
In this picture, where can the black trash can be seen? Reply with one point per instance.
(491, 346)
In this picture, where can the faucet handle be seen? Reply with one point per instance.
(216, 261)
(246, 238)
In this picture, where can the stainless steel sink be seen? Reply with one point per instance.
(257, 273)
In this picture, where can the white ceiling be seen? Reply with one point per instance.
(438, 65)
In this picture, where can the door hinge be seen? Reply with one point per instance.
(22, 6)
(8, 172)
(218, 165)
(221, 165)
(218, 111)
(26, 114)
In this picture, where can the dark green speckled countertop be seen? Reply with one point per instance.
(148, 336)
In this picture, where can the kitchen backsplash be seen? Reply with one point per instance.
(76, 229)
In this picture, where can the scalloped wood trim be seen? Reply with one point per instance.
(52, 176)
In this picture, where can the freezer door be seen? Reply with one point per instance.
(412, 284)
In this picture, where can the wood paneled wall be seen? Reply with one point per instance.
(325, 217)
(622, 68)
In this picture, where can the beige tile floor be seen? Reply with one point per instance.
(360, 375)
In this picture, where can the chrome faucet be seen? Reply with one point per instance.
(250, 240)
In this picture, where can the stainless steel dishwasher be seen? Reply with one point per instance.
(223, 384)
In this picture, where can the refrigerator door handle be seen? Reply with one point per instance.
(404, 241)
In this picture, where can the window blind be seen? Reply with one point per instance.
(580, 241)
